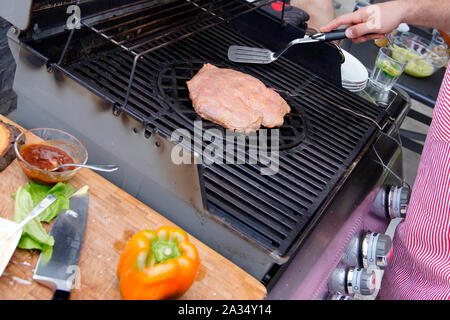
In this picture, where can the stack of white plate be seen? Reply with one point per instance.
(353, 73)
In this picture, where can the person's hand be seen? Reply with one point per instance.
(371, 22)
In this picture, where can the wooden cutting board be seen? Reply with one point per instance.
(113, 217)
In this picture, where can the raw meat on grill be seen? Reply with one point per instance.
(235, 100)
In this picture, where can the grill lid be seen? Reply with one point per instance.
(16, 12)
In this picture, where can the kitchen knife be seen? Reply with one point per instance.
(58, 272)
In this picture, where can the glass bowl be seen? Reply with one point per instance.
(421, 58)
(54, 138)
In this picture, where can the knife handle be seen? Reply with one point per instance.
(61, 295)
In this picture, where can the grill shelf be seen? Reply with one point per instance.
(143, 23)
(139, 28)
(271, 211)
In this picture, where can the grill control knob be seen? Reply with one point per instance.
(398, 199)
(392, 202)
(376, 250)
(360, 281)
(338, 280)
(352, 281)
(352, 254)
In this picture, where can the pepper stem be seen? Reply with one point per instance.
(165, 250)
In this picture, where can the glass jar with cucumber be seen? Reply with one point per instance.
(387, 70)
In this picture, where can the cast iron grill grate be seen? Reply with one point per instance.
(271, 211)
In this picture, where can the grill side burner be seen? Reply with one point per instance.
(258, 221)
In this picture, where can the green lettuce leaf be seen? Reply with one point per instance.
(34, 235)
(62, 191)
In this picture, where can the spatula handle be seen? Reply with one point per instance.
(335, 35)
(338, 34)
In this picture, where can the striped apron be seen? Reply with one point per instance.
(420, 267)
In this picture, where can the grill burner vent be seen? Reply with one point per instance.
(172, 85)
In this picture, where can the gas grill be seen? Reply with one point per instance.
(118, 82)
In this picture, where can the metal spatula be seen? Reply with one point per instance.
(263, 56)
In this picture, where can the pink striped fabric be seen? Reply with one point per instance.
(420, 268)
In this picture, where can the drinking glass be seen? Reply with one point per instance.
(437, 39)
(387, 70)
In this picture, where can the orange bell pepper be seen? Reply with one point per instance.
(156, 265)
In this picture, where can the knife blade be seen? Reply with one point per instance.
(58, 272)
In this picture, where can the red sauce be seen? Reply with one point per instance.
(46, 157)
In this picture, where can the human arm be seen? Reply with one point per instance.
(376, 20)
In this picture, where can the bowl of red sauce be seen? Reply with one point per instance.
(40, 150)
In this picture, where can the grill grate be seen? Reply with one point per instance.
(269, 210)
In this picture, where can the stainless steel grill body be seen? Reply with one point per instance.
(123, 96)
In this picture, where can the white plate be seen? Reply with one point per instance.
(7, 248)
(356, 89)
(362, 79)
(362, 84)
(352, 70)
(354, 83)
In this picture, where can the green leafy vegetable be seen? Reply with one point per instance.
(34, 235)
(62, 191)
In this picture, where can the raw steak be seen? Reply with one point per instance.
(235, 100)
